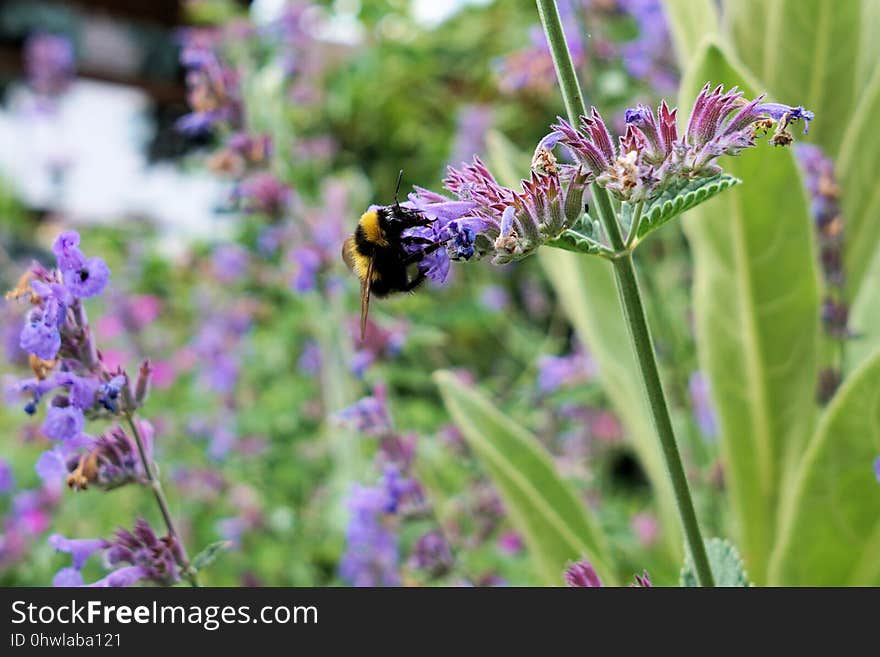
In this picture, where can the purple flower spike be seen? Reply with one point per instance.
(581, 574)
(123, 577)
(877, 469)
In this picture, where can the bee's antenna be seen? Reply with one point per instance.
(397, 189)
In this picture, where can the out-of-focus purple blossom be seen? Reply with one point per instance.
(555, 372)
(7, 479)
(649, 57)
(371, 552)
(50, 63)
(510, 542)
(216, 346)
(241, 153)
(306, 265)
(704, 413)
(431, 554)
(229, 262)
(379, 342)
(368, 415)
(646, 528)
(310, 358)
(581, 574)
(263, 193)
(877, 469)
(495, 298)
(474, 121)
(212, 87)
(80, 549)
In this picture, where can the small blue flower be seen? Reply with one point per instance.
(80, 549)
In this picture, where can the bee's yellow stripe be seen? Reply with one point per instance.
(370, 223)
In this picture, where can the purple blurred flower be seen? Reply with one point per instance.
(649, 57)
(877, 468)
(212, 87)
(264, 193)
(474, 121)
(556, 372)
(642, 581)
(371, 553)
(704, 413)
(49, 63)
(306, 265)
(80, 549)
(368, 415)
(581, 574)
(646, 528)
(229, 262)
(7, 479)
(63, 423)
(431, 554)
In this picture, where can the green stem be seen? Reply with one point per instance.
(631, 300)
(185, 566)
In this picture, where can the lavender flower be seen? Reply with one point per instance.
(431, 554)
(213, 92)
(581, 574)
(649, 57)
(704, 413)
(371, 553)
(63, 423)
(555, 372)
(368, 415)
(263, 193)
(49, 63)
(877, 469)
(7, 479)
(113, 460)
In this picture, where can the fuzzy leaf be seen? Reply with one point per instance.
(580, 238)
(830, 520)
(689, 21)
(209, 554)
(725, 562)
(804, 52)
(756, 306)
(858, 163)
(556, 525)
(675, 200)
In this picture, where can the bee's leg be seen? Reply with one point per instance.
(421, 253)
(417, 280)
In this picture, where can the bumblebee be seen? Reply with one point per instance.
(377, 255)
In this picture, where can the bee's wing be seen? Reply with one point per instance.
(347, 250)
(365, 298)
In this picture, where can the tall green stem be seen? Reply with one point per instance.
(631, 300)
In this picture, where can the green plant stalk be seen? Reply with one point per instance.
(631, 301)
(188, 572)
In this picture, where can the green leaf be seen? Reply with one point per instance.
(580, 238)
(690, 21)
(557, 526)
(857, 170)
(864, 319)
(830, 523)
(725, 562)
(588, 294)
(869, 44)
(209, 554)
(803, 51)
(756, 309)
(681, 198)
